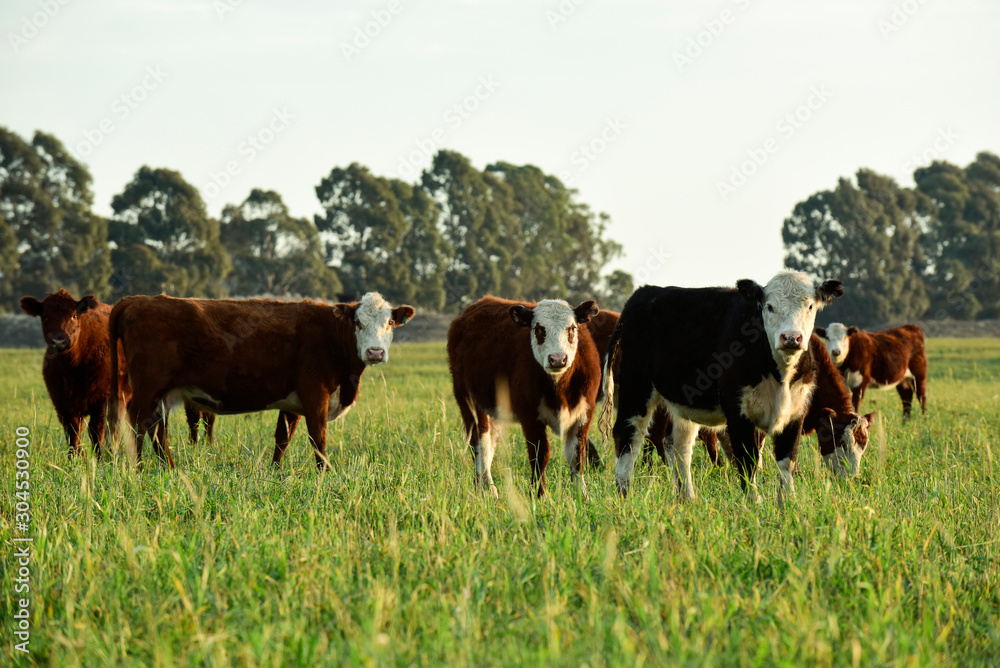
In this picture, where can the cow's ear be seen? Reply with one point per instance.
(852, 330)
(870, 418)
(402, 315)
(820, 332)
(751, 291)
(31, 306)
(344, 311)
(85, 304)
(585, 311)
(522, 314)
(830, 289)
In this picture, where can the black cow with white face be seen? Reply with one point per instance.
(719, 357)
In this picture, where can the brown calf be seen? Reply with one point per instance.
(889, 358)
(230, 356)
(77, 366)
(527, 362)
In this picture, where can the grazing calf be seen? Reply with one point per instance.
(717, 357)
(842, 434)
(229, 356)
(527, 362)
(890, 358)
(77, 366)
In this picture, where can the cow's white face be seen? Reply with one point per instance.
(837, 342)
(789, 304)
(374, 323)
(554, 326)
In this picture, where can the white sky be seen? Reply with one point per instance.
(892, 83)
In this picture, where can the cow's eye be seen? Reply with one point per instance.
(810, 307)
(357, 325)
(391, 324)
(770, 309)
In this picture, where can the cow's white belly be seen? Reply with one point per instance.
(707, 417)
(291, 403)
(889, 386)
(771, 404)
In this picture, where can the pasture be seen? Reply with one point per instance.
(393, 558)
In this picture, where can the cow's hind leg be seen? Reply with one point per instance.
(157, 431)
(918, 367)
(905, 391)
(484, 439)
(656, 440)
(634, 413)
(679, 456)
(287, 422)
(538, 453)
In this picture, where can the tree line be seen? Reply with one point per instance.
(927, 252)
(456, 234)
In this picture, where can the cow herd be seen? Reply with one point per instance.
(730, 366)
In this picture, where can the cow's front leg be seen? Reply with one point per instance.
(745, 453)
(71, 427)
(316, 424)
(96, 428)
(786, 451)
(858, 393)
(538, 453)
(574, 449)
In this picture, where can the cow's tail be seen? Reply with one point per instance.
(120, 388)
(608, 382)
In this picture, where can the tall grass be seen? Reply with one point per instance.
(393, 557)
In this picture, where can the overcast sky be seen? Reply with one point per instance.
(696, 126)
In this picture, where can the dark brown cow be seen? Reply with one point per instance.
(889, 358)
(527, 362)
(234, 356)
(77, 366)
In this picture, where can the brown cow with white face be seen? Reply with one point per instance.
(77, 366)
(532, 363)
(241, 356)
(890, 358)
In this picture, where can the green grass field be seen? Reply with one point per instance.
(392, 557)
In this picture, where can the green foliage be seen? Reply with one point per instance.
(164, 239)
(274, 253)
(393, 558)
(963, 245)
(867, 235)
(49, 236)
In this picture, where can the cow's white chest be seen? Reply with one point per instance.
(772, 404)
(565, 417)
